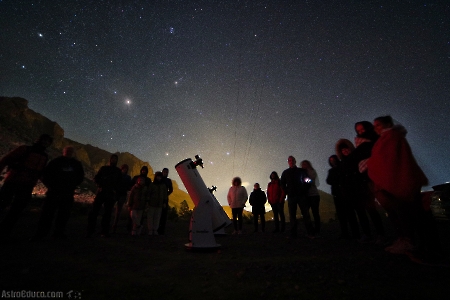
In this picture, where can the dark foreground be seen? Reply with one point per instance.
(249, 266)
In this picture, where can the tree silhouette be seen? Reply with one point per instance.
(172, 214)
(184, 212)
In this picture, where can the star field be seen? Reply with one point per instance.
(244, 84)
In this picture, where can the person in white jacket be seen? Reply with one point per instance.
(237, 196)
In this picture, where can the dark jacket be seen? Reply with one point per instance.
(108, 178)
(294, 182)
(361, 153)
(124, 185)
(147, 183)
(257, 200)
(351, 181)
(25, 164)
(169, 185)
(63, 174)
(333, 179)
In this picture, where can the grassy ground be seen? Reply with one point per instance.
(248, 266)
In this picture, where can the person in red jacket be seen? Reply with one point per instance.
(276, 198)
(398, 180)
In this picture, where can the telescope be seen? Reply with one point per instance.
(208, 216)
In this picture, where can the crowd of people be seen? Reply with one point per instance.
(62, 175)
(377, 172)
(140, 194)
(378, 169)
(297, 185)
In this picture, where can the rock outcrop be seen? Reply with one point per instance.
(21, 125)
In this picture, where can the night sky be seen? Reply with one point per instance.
(244, 84)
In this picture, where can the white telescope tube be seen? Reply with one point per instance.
(199, 192)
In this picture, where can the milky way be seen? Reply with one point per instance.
(243, 84)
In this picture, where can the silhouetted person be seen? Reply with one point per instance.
(147, 182)
(61, 176)
(257, 200)
(276, 197)
(107, 180)
(351, 182)
(136, 204)
(313, 194)
(364, 141)
(165, 210)
(295, 184)
(157, 201)
(398, 180)
(25, 166)
(342, 207)
(237, 197)
(144, 174)
(122, 191)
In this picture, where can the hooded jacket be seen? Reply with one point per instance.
(294, 182)
(257, 200)
(350, 177)
(364, 143)
(237, 196)
(392, 166)
(333, 177)
(63, 174)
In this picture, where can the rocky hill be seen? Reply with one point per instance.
(21, 125)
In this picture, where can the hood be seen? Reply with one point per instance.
(343, 141)
(336, 158)
(400, 129)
